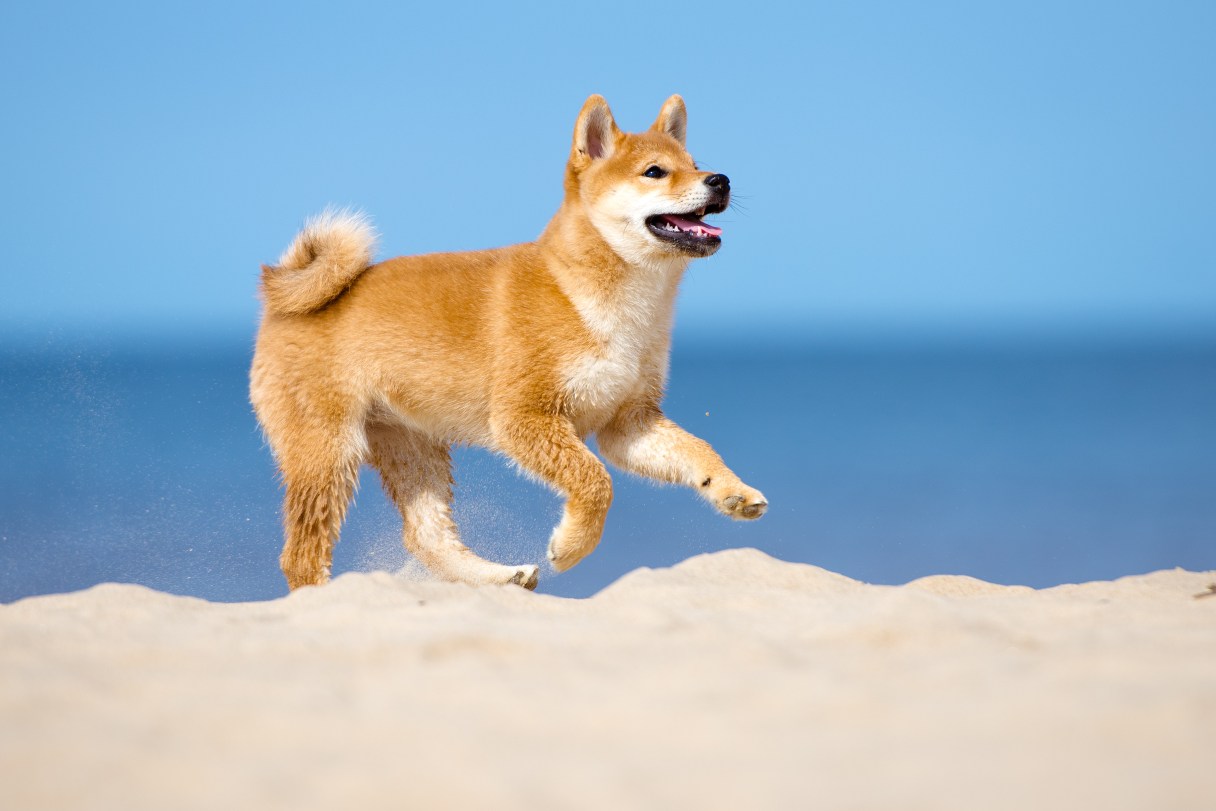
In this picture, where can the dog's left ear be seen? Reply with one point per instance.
(673, 119)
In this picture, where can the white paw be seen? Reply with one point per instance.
(567, 548)
(526, 576)
(741, 502)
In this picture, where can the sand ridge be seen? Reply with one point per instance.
(730, 680)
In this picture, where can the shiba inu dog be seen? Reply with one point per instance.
(526, 350)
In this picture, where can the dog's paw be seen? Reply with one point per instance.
(563, 558)
(741, 502)
(527, 576)
(566, 548)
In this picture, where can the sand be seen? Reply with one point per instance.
(732, 680)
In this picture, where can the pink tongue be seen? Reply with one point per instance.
(698, 228)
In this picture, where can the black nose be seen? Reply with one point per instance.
(721, 182)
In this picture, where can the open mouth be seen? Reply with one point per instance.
(687, 230)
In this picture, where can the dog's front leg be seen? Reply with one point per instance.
(547, 446)
(642, 440)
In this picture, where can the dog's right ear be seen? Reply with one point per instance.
(595, 132)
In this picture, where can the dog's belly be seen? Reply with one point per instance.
(439, 403)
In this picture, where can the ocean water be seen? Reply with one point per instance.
(1036, 465)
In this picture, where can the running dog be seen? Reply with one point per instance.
(526, 350)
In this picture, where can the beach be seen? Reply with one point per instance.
(731, 680)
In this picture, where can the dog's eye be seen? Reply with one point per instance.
(655, 172)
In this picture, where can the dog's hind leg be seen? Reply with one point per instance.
(417, 475)
(320, 478)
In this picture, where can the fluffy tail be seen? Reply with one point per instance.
(323, 260)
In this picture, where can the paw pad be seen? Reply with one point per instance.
(527, 577)
(740, 506)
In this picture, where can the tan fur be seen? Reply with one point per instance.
(526, 350)
(322, 261)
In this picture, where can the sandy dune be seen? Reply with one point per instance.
(730, 681)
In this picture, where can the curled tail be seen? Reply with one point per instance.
(324, 259)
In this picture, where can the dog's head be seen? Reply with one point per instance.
(642, 191)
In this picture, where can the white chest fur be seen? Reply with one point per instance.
(626, 327)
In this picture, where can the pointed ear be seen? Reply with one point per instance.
(673, 119)
(595, 132)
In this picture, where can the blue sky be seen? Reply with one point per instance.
(939, 166)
